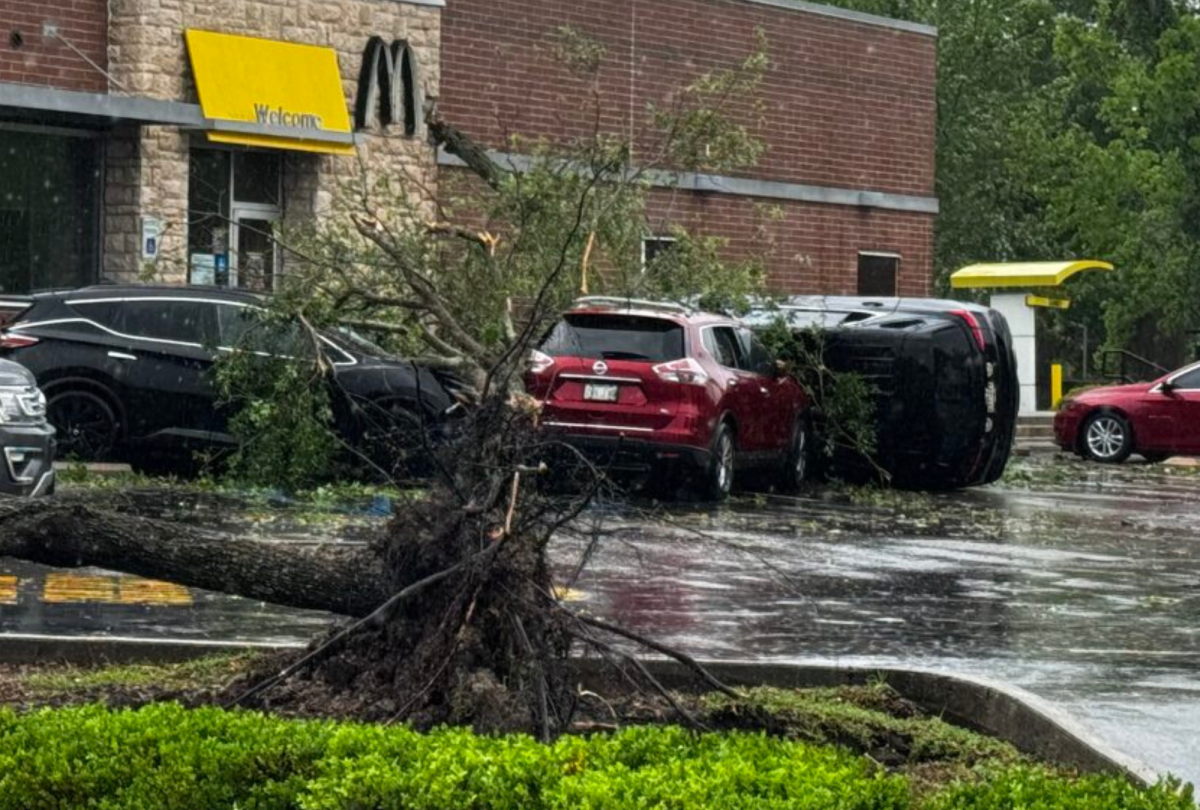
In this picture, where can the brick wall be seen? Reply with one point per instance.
(847, 105)
(46, 61)
(809, 248)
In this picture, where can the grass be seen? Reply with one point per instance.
(210, 672)
(873, 720)
(334, 497)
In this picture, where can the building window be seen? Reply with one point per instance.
(877, 274)
(49, 210)
(655, 246)
(234, 201)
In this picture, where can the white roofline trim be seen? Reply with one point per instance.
(852, 16)
(747, 187)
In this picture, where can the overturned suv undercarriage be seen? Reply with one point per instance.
(26, 438)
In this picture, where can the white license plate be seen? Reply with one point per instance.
(600, 393)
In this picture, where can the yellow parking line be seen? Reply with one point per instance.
(569, 594)
(135, 591)
(61, 588)
(114, 590)
(8, 590)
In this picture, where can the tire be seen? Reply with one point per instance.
(797, 462)
(718, 476)
(87, 426)
(1107, 437)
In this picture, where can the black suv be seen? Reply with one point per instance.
(945, 376)
(26, 440)
(126, 372)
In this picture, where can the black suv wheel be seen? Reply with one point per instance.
(87, 426)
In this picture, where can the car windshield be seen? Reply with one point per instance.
(615, 337)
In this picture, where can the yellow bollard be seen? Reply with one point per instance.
(1056, 382)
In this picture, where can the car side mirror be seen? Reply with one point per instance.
(1167, 387)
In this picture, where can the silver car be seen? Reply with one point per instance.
(26, 438)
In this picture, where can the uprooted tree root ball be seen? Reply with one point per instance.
(474, 634)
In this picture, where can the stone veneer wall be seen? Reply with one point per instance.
(148, 172)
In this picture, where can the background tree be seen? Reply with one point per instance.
(1069, 128)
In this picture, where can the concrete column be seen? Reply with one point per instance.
(1022, 322)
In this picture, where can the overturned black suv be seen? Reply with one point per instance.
(126, 373)
(944, 374)
(26, 439)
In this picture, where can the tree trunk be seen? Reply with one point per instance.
(343, 580)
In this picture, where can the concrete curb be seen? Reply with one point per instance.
(1029, 723)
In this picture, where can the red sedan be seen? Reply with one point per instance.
(1155, 420)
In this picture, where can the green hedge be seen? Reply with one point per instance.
(164, 756)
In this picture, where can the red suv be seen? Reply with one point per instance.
(648, 387)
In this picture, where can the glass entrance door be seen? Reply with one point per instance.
(252, 261)
(234, 200)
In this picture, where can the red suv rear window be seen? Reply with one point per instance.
(615, 337)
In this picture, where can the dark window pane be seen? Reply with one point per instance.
(758, 359)
(256, 177)
(255, 254)
(49, 211)
(654, 247)
(724, 347)
(208, 215)
(106, 313)
(208, 182)
(616, 337)
(248, 329)
(183, 321)
(877, 275)
(1191, 380)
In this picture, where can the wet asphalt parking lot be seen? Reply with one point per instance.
(1076, 582)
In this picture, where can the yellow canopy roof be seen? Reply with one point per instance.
(1021, 274)
(260, 92)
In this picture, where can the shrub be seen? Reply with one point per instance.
(1034, 787)
(166, 756)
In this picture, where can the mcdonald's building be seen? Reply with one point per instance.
(167, 139)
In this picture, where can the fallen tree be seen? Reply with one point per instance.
(457, 616)
(339, 579)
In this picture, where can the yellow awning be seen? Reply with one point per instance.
(1021, 274)
(260, 92)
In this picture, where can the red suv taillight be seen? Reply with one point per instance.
(8, 340)
(973, 325)
(686, 371)
(539, 361)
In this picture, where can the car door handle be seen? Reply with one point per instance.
(122, 356)
(766, 391)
